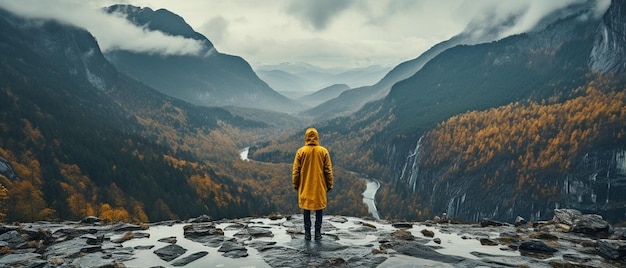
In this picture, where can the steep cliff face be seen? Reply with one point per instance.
(609, 50)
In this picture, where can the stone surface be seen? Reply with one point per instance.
(189, 259)
(347, 242)
(170, 252)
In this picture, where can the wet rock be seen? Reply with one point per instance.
(275, 217)
(13, 239)
(260, 245)
(169, 240)
(403, 235)
(591, 224)
(233, 250)
(198, 230)
(22, 260)
(70, 249)
(536, 248)
(489, 222)
(419, 250)
(189, 259)
(402, 225)
(427, 233)
(488, 242)
(94, 260)
(612, 249)
(90, 220)
(519, 221)
(170, 252)
(567, 216)
(203, 218)
(257, 232)
(145, 247)
(369, 225)
(437, 240)
(230, 246)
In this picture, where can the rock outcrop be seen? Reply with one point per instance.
(570, 239)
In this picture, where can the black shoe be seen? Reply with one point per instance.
(307, 234)
(318, 234)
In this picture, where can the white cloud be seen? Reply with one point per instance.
(335, 33)
(111, 32)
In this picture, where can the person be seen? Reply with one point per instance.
(312, 177)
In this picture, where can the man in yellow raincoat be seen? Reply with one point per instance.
(312, 177)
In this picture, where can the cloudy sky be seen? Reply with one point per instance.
(326, 33)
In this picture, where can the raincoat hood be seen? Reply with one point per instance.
(310, 137)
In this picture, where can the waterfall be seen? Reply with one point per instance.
(410, 171)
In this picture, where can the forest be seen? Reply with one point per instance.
(522, 143)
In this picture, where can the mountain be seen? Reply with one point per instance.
(476, 32)
(294, 78)
(542, 163)
(323, 95)
(79, 138)
(513, 127)
(208, 79)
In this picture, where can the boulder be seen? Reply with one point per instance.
(591, 224)
(536, 246)
(198, 230)
(403, 235)
(519, 221)
(13, 239)
(170, 252)
(567, 216)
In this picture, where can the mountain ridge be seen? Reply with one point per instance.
(208, 79)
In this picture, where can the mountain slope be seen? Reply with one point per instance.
(84, 139)
(323, 95)
(209, 78)
(475, 33)
(544, 66)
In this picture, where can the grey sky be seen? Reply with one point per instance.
(327, 33)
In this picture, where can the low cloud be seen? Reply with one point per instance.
(514, 17)
(112, 32)
(317, 13)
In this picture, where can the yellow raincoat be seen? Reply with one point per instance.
(312, 173)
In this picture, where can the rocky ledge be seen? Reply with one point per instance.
(570, 239)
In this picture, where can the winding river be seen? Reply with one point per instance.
(369, 195)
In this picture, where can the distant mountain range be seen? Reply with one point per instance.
(209, 79)
(298, 79)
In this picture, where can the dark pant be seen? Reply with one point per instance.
(318, 219)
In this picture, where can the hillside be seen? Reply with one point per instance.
(84, 139)
(209, 78)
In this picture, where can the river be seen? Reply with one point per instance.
(369, 195)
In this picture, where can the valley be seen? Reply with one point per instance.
(479, 126)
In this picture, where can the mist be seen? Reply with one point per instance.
(113, 32)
